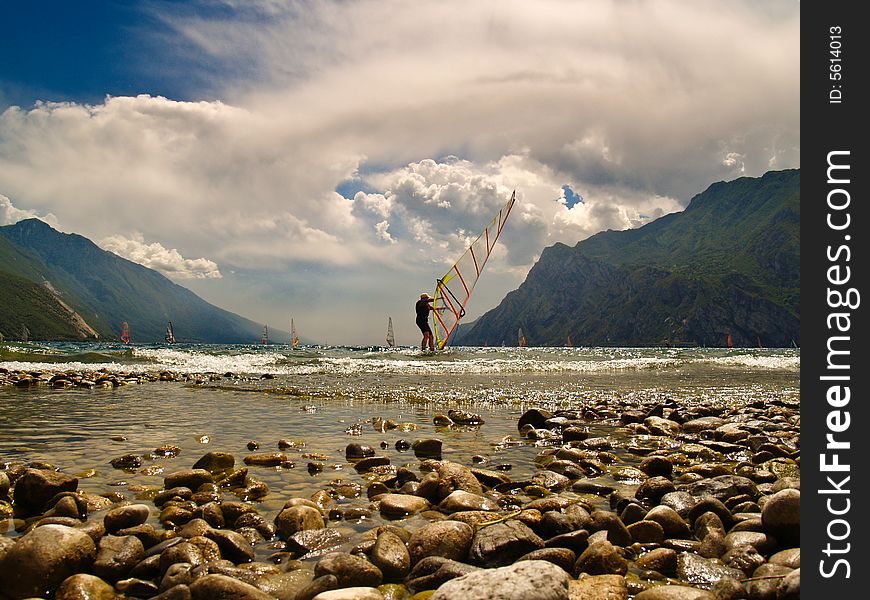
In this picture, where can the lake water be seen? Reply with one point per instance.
(326, 398)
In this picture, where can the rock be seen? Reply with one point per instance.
(674, 592)
(127, 462)
(355, 450)
(41, 559)
(221, 587)
(502, 543)
(117, 555)
(447, 539)
(314, 542)
(600, 558)
(672, 523)
(367, 464)
(701, 571)
(657, 466)
(762, 542)
(790, 586)
(401, 505)
(787, 558)
(526, 580)
(433, 571)
(316, 586)
(83, 586)
(390, 555)
(561, 557)
(550, 480)
(598, 587)
(350, 570)
(183, 552)
(660, 426)
(681, 502)
(702, 424)
(189, 478)
(215, 462)
(124, 517)
(781, 516)
(461, 417)
(427, 448)
(351, 593)
(723, 487)
(663, 560)
(453, 476)
(728, 588)
(267, 459)
(709, 504)
(36, 487)
(765, 581)
(616, 531)
(575, 434)
(298, 518)
(233, 545)
(746, 558)
(653, 489)
(137, 588)
(646, 532)
(460, 500)
(535, 417)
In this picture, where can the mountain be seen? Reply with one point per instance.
(63, 286)
(729, 264)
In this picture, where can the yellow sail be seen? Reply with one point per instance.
(454, 289)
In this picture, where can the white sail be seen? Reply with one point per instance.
(294, 339)
(391, 338)
(454, 289)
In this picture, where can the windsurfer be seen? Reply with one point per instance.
(423, 307)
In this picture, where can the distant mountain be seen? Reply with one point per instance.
(729, 264)
(63, 286)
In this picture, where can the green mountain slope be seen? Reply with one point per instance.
(106, 289)
(728, 264)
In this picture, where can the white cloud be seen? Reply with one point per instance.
(9, 214)
(155, 256)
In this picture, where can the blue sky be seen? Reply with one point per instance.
(297, 158)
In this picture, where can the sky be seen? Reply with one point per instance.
(327, 160)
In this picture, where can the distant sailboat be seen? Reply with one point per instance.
(759, 343)
(25, 333)
(391, 338)
(294, 339)
(265, 338)
(569, 343)
(125, 332)
(521, 339)
(170, 334)
(728, 342)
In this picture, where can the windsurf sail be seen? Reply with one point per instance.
(125, 332)
(294, 339)
(454, 289)
(521, 339)
(264, 339)
(729, 342)
(170, 334)
(569, 343)
(391, 338)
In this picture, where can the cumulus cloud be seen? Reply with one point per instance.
(438, 110)
(9, 214)
(155, 256)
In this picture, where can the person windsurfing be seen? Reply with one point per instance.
(423, 307)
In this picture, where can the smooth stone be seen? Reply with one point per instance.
(561, 557)
(83, 586)
(233, 545)
(617, 533)
(185, 552)
(266, 459)
(137, 588)
(351, 593)
(663, 560)
(462, 417)
(787, 558)
(315, 542)
(646, 532)
(709, 504)
(765, 581)
(401, 505)
(350, 570)
(781, 516)
(702, 424)
(324, 583)
(728, 588)
(356, 450)
(41, 559)
(369, 463)
(391, 556)
(576, 541)
(433, 571)
(598, 587)
(723, 487)
(526, 580)
(762, 542)
(674, 592)
(288, 584)
(298, 518)
(116, 556)
(461, 500)
(216, 587)
(535, 417)
(701, 571)
(502, 543)
(446, 539)
(124, 517)
(746, 558)
(35, 487)
(427, 448)
(453, 476)
(653, 489)
(681, 502)
(215, 462)
(672, 523)
(189, 478)
(657, 466)
(790, 586)
(600, 558)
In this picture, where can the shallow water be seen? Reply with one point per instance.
(315, 395)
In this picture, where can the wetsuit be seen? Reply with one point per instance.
(423, 309)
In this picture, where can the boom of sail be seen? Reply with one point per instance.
(454, 289)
